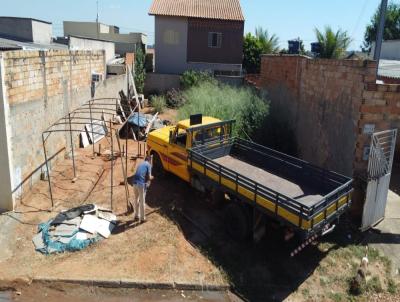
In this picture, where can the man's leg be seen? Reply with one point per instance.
(142, 192)
(136, 191)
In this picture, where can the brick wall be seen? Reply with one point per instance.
(39, 87)
(380, 109)
(327, 103)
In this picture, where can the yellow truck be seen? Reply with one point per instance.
(253, 181)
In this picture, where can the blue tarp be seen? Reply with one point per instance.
(53, 246)
(138, 119)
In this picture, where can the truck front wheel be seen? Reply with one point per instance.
(237, 222)
(157, 169)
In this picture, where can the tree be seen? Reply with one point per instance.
(270, 44)
(140, 72)
(252, 50)
(333, 45)
(255, 46)
(392, 25)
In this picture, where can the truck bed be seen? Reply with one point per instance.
(292, 190)
(304, 194)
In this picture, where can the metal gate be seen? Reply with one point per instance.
(380, 163)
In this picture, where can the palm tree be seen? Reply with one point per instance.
(333, 45)
(270, 44)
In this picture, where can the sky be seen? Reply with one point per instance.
(288, 19)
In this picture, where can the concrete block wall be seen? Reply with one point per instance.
(328, 102)
(38, 89)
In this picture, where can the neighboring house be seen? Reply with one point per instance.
(26, 33)
(389, 71)
(124, 43)
(82, 43)
(199, 35)
(390, 50)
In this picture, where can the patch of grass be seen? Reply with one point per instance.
(337, 297)
(159, 103)
(374, 285)
(392, 286)
(305, 292)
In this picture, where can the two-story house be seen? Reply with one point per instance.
(198, 35)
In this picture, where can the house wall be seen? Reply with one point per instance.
(171, 44)
(39, 88)
(41, 32)
(16, 28)
(328, 102)
(123, 42)
(157, 83)
(390, 50)
(76, 43)
(231, 51)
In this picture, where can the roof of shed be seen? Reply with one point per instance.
(389, 69)
(208, 9)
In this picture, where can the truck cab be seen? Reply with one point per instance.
(169, 146)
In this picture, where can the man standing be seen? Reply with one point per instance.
(140, 182)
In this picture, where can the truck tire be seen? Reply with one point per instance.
(237, 222)
(217, 198)
(157, 169)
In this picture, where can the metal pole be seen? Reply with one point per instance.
(123, 170)
(126, 146)
(72, 144)
(381, 28)
(47, 170)
(112, 164)
(91, 126)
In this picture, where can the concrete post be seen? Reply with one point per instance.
(6, 175)
(381, 28)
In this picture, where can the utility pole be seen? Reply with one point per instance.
(381, 28)
(97, 18)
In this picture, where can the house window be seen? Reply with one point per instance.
(214, 40)
(171, 37)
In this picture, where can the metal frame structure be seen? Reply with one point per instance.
(76, 120)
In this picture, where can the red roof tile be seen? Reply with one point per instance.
(208, 9)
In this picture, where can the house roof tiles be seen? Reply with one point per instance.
(208, 9)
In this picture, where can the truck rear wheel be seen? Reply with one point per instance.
(237, 222)
(217, 198)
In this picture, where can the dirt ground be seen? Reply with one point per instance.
(151, 252)
(183, 241)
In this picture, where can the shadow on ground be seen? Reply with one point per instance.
(395, 180)
(257, 272)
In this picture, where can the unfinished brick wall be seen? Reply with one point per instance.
(327, 103)
(380, 110)
(39, 87)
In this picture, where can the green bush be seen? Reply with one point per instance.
(159, 103)
(226, 102)
(140, 72)
(192, 78)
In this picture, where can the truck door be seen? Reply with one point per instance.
(177, 154)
